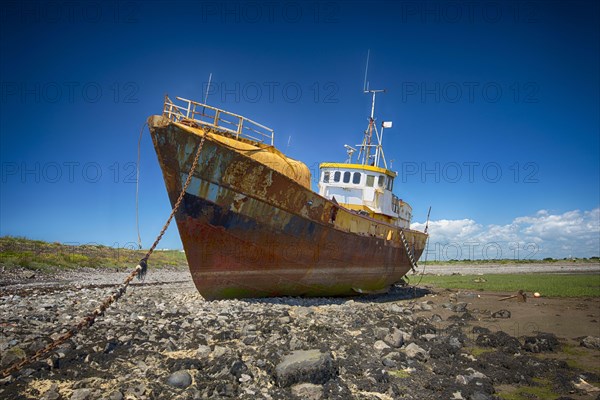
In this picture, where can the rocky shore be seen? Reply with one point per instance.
(162, 340)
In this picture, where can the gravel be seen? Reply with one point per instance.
(163, 340)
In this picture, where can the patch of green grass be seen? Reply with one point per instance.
(17, 252)
(572, 350)
(512, 261)
(542, 390)
(478, 351)
(549, 285)
(399, 373)
(576, 356)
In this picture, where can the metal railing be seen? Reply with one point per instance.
(217, 118)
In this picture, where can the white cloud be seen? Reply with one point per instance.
(574, 233)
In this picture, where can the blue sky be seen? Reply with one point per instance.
(495, 108)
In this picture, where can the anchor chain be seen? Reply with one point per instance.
(139, 271)
(411, 257)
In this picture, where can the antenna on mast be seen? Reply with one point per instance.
(366, 146)
(365, 85)
(207, 88)
(206, 93)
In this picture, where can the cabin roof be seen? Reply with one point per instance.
(359, 166)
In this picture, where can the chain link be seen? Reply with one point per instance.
(139, 270)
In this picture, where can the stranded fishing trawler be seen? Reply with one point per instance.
(252, 227)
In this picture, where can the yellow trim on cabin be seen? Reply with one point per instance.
(359, 166)
(374, 215)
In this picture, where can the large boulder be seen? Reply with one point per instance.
(310, 366)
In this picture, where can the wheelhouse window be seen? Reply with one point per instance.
(336, 176)
(370, 180)
(347, 177)
(356, 178)
(390, 183)
(381, 180)
(326, 176)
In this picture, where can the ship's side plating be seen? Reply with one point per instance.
(250, 231)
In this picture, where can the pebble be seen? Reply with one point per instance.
(501, 314)
(395, 339)
(308, 391)
(380, 345)
(81, 394)
(116, 395)
(591, 342)
(413, 350)
(180, 379)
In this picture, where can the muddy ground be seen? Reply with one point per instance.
(162, 340)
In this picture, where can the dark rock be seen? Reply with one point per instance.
(388, 362)
(540, 343)
(480, 329)
(459, 307)
(380, 332)
(463, 317)
(81, 394)
(455, 342)
(248, 340)
(110, 346)
(12, 355)
(38, 344)
(116, 395)
(501, 314)
(51, 394)
(136, 391)
(423, 329)
(442, 351)
(499, 340)
(467, 316)
(480, 396)
(305, 366)
(238, 368)
(505, 368)
(179, 379)
(393, 359)
(436, 318)
(336, 389)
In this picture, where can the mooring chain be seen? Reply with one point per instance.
(143, 261)
(88, 320)
(139, 271)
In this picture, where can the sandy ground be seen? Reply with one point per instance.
(474, 269)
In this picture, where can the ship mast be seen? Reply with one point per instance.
(364, 156)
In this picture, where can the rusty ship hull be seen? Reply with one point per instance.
(251, 231)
